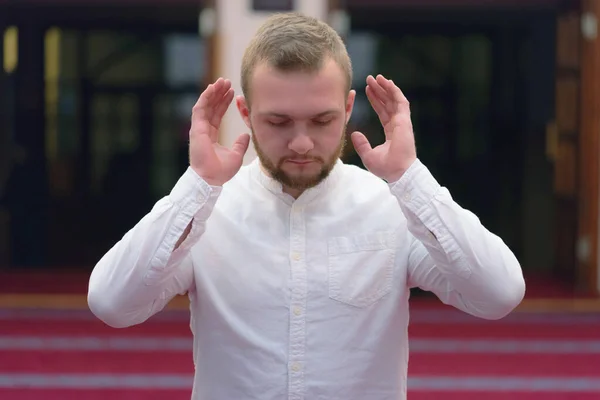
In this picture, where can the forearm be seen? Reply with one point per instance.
(141, 272)
(468, 261)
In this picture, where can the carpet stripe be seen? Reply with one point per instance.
(505, 331)
(177, 344)
(95, 328)
(183, 381)
(419, 345)
(484, 364)
(529, 365)
(95, 343)
(142, 362)
(182, 328)
(184, 394)
(487, 395)
(418, 315)
(504, 384)
(104, 394)
(97, 381)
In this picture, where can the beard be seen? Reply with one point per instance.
(275, 168)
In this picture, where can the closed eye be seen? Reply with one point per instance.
(323, 122)
(278, 123)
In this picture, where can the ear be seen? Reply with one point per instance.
(242, 106)
(350, 104)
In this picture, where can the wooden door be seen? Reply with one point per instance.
(589, 150)
(562, 142)
(572, 145)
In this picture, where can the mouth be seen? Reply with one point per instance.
(300, 162)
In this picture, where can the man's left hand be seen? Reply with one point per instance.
(390, 160)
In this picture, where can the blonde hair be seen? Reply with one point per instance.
(294, 42)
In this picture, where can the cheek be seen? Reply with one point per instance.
(331, 135)
(268, 139)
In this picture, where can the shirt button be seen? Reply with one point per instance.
(296, 367)
(406, 196)
(296, 256)
(297, 310)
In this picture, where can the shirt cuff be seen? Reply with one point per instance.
(191, 193)
(416, 188)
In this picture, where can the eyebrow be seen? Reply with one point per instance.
(280, 115)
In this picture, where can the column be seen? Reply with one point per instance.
(236, 24)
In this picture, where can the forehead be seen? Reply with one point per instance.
(297, 93)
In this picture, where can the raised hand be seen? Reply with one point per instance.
(215, 163)
(390, 160)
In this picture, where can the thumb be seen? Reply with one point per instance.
(361, 144)
(241, 144)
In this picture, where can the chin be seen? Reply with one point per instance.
(303, 176)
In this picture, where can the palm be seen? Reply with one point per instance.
(212, 161)
(398, 151)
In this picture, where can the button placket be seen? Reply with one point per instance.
(297, 337)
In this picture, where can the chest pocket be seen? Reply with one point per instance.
(361, 268)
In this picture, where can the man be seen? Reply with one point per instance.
(298, 267)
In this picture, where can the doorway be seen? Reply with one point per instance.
(120, 134)
(102, 102)
(481, 86)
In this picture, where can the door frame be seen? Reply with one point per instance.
(589, 156)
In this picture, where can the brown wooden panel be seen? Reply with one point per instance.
(563, 141)
(453, 3)
(589, 163)
(567, 41)
(567, 104)
(565, 174)
(565, 239)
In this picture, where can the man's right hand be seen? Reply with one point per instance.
(213, 162)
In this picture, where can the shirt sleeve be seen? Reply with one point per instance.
(141, 273)
(452, 254)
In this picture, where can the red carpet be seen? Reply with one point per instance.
(54, 355)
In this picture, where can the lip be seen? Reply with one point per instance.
(300, 162)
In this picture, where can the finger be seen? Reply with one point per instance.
(396, 93)
(222, 107)
(383, 82)
(204, 97)
(391, 100)
(379, 92)
(397, 101)
(361, 144)
(377, 105)
(200, 108)
(222, 86)
(240, 145)
(211, 91)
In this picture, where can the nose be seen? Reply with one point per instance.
(301, 144)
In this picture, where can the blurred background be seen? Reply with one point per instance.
(95, 104)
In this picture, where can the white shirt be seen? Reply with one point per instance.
(307, 298)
